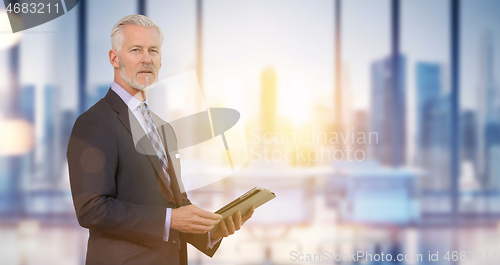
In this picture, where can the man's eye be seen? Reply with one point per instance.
(154, 51)
(135, 50)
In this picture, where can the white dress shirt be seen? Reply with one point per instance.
(133, 104)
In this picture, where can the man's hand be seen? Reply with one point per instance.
(191, 219)
(228, 226)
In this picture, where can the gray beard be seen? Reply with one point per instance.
(132, 82)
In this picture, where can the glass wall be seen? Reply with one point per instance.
(375, 177)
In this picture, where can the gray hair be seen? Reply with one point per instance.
(117, 38)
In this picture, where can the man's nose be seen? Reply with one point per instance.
(146, 57)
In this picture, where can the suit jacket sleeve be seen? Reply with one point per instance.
(93, 158)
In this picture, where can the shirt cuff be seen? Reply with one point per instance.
(210, 243)
(168, 217)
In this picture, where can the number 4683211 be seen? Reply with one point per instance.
(470, 256)
(31, 8)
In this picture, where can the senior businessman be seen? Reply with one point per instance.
(128, 194)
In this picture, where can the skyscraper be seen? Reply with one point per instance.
(432, 117)
(49, 135)
(6, 197)
(492, 155)
(439, 160)
(488, 117)
(433, 127)
(27, 103)
(469, 135)
(27, 112)
(383, 104)
(428, 77)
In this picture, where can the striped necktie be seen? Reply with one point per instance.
(154, 137)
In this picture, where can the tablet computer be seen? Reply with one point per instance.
(254, 197)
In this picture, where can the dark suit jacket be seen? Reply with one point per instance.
(120, 194)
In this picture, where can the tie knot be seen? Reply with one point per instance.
(143, 107)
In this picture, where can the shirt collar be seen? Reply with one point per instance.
(131, 101)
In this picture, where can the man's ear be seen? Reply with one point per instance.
(113, 58)
(160, 56)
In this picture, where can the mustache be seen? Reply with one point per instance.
(147, 67)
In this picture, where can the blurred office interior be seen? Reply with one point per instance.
(375, 122)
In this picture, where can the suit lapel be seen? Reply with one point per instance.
(161, 125)
(170, 143)
(141, 141)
